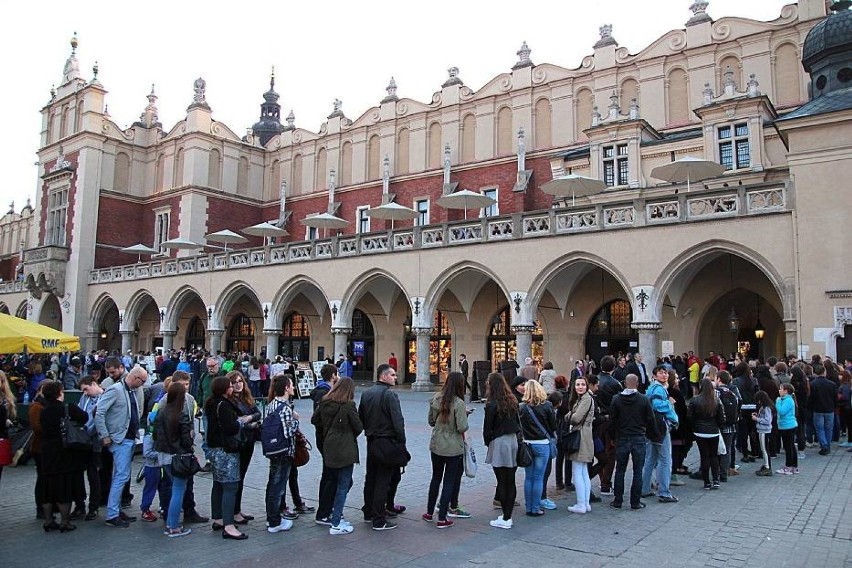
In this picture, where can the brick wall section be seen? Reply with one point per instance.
(7, 268)
(124, 223)
(226, 214)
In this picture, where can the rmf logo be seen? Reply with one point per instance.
(49, 343)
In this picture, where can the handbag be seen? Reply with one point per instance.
(185, 466)
(303, 448)
(5, 452)
(721, 449)
(75, 437)
(469, 459)
(571, 440)
(524, 455)
(389, 452)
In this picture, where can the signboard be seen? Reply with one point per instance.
(634, 344)
(668, 348)
(305, 381)
(358, 348)
(604, 343)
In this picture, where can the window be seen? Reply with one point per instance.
(57, 215)
(491, 210)
(161, 229)
(310, 233)
(615, 165)
(734, 151)
(363, 220)
(422, 208)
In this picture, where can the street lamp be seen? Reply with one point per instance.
(759, 330)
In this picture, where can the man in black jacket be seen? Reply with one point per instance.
(384, 427)
(822, 401)
(328, 480)
(608, 387)
(629, 415)
(637, 367)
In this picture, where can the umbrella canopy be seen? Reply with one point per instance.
(226, 236)
(574, 186)
(325, 221)
(465, 199)
(18, 334)
(265, 230)
(139, 250)
(181, 243)
(688, 169)
(392, 211)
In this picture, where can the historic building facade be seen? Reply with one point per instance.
(751, 259)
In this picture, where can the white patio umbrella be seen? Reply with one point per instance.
(226, 236)
(139, 250)
(392, 211)
(465, 199)
(266, 230)
(324, 221)
(573, 185)
(688, 169)
(181, 243)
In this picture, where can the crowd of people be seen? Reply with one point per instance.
(592, 425)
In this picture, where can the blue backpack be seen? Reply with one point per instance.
(273, 441)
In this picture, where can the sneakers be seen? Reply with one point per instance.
(460, 513)
(676, 481)
(824, 452)
(305, 509)
(325, 521)
(606, 490)
(784, 471)
(444, 524)
(667, 499)
(286, 525)
(548, 504)
(117, 522)
(649, 494)
(716, 485)
(149, 517)
(289, 515)
(579, 509)
(501, 523)
(174, 533)
(388, 526)
(594, 498)
(764, 472)
(396, 509)
(126, 518)
(340, 529)
(794, 471)
(427, 517)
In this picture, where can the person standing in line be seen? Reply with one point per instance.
(246, 406)
(659, 454)
(764, 417)
(581, 417)
(786, 409)
(448, 419)
(630, 415)
(174, 434)
(500, 432)
(547, 377)
(731, 402)
(823, 400)
(538, 420)
(384, 425)
(608, 387)
(279, 464)
(708, 417)
(464, 369)
(328, 479)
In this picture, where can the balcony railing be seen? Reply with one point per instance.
(658, 207)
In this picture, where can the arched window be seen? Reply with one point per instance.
(362, 346)
(468, 136)
(585, 105)
(295, 338)
(178, 173)
(787, 87)
(732, 63)
(121, 176)
(195, 335)
(296, 177)
(373, 160)
(402, 151)
(275, 178)
(160, 173)
(321, 170)
(214, 169)
(504, 131)
(243, 176)
(78, 117)
(63, 125)
(629, 91)
(609, 331)
(346, 163)
(543, 128)
(241, 335)
(501, 340)
(435, 151)
(677, 97)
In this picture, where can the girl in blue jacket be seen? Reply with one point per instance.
(785, 406)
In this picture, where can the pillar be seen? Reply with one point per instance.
(341, 341)
(648, 344)
(791, 341)
(523, 342)
(272, 336)
(92, 341)
(214, 340)
(126, 341)
(169, 340)
(422, 381)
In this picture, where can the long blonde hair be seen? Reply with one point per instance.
(534, 393)
(6, 395)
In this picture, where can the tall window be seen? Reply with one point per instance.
(491, 210)
(161, 229)
(363, 219)
(615, 165)
(734, 151)
(310, 233)
(57, 215)
(422, 208)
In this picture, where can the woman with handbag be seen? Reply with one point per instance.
(500, 432)
(448, 419)
(708, 417)
(242, 397)
(223, 425)
(580, 419)
(538, 421)
(173, 429)
(62, 467)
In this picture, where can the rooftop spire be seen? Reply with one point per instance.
(72, 66)
(270, 114)
(150, 116)
(523, 57)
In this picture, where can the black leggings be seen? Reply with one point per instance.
(708, 448)
(788, 438)
(506, 489)
(449, 471)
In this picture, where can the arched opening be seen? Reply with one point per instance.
(609, 331)
(440, 349)
(4, 309)
(501, 340)
(195, 334)
(51, 313)
(240, 335)
(22, 310)
(844, 345)
(104, 324)
(362, 342)
(295, 338)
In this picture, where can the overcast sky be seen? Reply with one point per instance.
(320, 50)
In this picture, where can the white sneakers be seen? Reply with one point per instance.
(285, 525)
(500, 523)
(341, 529)
(580, 509)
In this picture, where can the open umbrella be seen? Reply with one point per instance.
(17, 335)
(465, 199)
(688, 169)
(226, 236)
(325, 221)
(265, 230)
(393, 212)
(139, 250)
(181, 243)
(574, 186)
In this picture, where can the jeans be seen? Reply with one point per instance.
(726, 462)
(448, 470)
(122, 456)
(534, 476)
(156, 481)
(344, 483)
(204, 437)
(254, 386)
(824, 426)
(222, 498)
(178, 489)
(658, 456)
(629, 447)
(279, 473)
(582, 483)
(327, 491)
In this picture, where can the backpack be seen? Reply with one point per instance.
(273, 440)
(731, 406)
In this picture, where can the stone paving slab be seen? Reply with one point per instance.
(803, 520)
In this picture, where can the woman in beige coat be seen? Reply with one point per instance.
(580, 417)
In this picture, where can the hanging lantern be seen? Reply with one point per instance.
(733, 321)
(759, 330)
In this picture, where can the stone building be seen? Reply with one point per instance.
(750, 259)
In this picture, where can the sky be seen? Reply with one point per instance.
(321, 51)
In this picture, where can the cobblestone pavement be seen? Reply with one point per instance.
(803, 520)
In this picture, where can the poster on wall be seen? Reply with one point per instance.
(358, 348)
(667, 348)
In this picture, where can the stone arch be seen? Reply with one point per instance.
(135, 306)
(585, 103)
(733, 61)
(504, 131)
(403, 141)
(4, 309)
(23, 307)
(543, 124)
(433, 148)
(374, 166)
(321, 169)
(296, 175)
(176, 304)
(214, 168)
(628, 90)
(468, 138)
(178, 168)
(362, 284)
(346, 163)
(50, 314)
(677, 96)
(443, 281)
(787, 79)
(100, 307)
(121, 175)
(229, 296)
(299, 284)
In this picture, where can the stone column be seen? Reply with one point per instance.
(791, 342)
(422, 381)
(271, 342)
(341, 341)
(523, 342)
(126, 341)
(169, 340)
(648, 344)
(214, 340)
(92, 341)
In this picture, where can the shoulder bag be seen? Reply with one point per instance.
(74, 435)
(550, 439)
(303, 450)
(233, 443)
(185, 466)
(524, 457)
(570, 439)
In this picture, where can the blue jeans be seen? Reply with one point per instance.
(824, 426)
(204, 437)
(629, 447)
(344, 483)
(534, 476)
(279, 473)
(122, 456)
(658, 456)
(175, 505)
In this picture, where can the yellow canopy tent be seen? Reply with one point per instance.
(17, 335)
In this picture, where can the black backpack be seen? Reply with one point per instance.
(273, 440)
(731, 406)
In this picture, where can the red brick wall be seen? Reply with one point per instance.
(7, 268)
(226, 214)
(125, 223)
